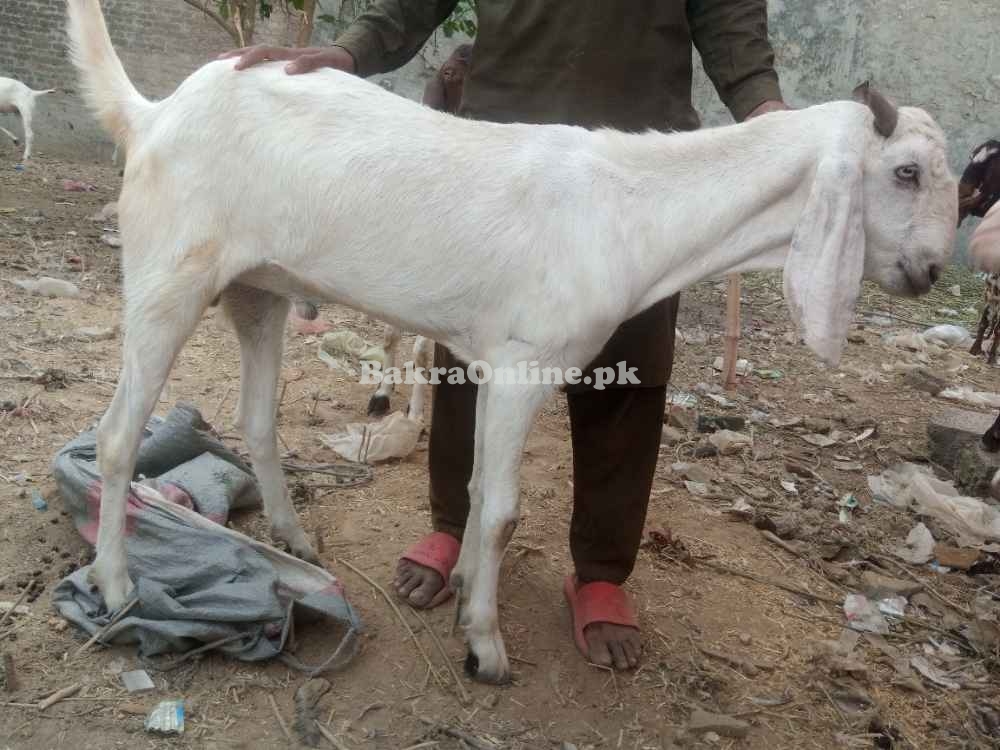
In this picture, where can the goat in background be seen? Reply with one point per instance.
(18, 99)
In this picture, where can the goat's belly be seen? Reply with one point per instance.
(278, 278)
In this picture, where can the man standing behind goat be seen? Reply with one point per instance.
(591, 63)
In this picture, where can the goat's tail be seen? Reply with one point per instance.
(106, 87)
(43, 93)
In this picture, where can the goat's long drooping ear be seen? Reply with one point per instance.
(822, 276)
(886, 114)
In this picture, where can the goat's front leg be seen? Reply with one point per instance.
(378, 404)
(157, 324)
(259, 318)
(995, 324)
(510, 411)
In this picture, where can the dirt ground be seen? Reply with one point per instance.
(691, 586)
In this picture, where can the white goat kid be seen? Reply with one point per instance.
(16, 98)
(567, 234)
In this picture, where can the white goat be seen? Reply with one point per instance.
(16, 98)
(563, 234)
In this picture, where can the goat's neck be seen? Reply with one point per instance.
(717, 200)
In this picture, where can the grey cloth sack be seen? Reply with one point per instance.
(200, 586)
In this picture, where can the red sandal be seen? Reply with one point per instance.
(439, 552)
(597, 601)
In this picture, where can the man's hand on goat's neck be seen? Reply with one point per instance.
(301, 59)
(771, 105)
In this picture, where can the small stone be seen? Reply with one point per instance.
(672, 436)
(856, 338)
(925, 381)
(680, 418)
(706, 450)
(817, 425)
(878, 586)
(745, 638)
(729, 441)
(694, 472)
(724, 726)
(715, 422)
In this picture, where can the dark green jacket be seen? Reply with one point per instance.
(617, 63)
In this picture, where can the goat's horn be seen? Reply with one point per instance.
(886, 114)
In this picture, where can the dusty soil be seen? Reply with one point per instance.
(688, 597)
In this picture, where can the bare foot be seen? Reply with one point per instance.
(422, 587)
(613, 645)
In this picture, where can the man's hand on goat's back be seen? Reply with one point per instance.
(300, 59)
(771, 105)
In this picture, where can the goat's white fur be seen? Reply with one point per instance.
(502, 242)
(16, 98)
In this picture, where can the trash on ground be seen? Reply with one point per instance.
(694, 472)
(965, 395)
(137, 681)
(919, 546)
(847, 505)
(95, 334)
(769, 374)
(789, 487)
(864, 615)
(972, 522)
(955, 290)
(702, 722)
(184, 561)
(958, 558)
(683, 399)
(932, 673)
(948, 334)
(820, 441)
(77, 186)
(393, 436)
(166, 718)
(49, 287)
(107, 213)
(345, 343)
(38, 502)
(111, 239)
(743, 367)
(729, 441)
(307, 716)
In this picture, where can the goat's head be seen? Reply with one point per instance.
(979, 187)
(883, 207)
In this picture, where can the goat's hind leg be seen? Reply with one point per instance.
(159, 318)
(10, 135)
(259, 318)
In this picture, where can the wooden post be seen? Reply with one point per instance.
(732, 338)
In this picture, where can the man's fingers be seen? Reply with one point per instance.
(256, 55)
(233, 53)
(307, 63)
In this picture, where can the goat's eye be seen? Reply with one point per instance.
(909, 173)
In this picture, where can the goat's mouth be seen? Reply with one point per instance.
(916, 282)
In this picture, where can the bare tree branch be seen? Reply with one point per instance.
(203, 7)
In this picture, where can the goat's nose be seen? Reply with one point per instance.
(934, 273)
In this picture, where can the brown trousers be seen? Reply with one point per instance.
(616, 438)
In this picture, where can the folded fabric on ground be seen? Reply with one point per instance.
(200, 586)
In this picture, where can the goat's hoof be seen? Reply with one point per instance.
(378, 405)
(489, 666)
(298, 545)
(115, 587)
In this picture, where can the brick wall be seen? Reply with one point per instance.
(160, 42)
